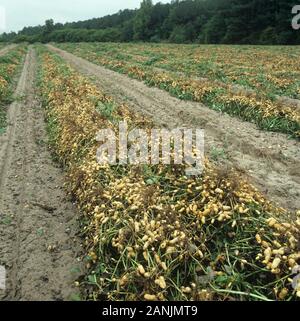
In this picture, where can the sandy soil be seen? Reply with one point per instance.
(271, 160)
(38, 242)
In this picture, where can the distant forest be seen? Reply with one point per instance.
(190, 21)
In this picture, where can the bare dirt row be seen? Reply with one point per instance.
(271, 160)
(38, 242)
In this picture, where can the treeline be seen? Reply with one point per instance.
(188, 21)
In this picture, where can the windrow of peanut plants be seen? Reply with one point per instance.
(159, 69)
(10, 64)
(150, 232)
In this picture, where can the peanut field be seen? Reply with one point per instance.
(150, 232)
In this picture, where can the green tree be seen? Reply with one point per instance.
(48, 29)
(178, 35)
(127, 32)
(141, 26)
(214, 31)
(181, 21)
(268, 36)
(49, 26)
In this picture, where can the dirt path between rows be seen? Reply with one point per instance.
(38, 243)
(6, 49)
(271, 160)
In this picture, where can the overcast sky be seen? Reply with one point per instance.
(21, 13)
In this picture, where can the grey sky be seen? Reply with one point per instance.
(21, 13)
